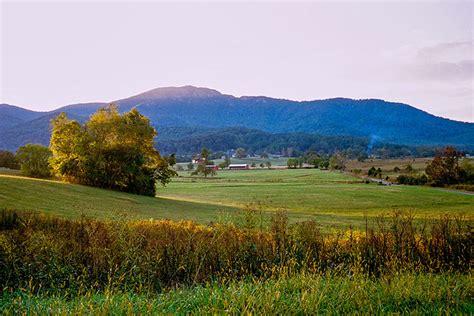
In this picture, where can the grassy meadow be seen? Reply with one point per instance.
(309, 191)
(73, 200)
(330, 198)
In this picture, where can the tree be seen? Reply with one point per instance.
(225, 163)
(312, 158)
(324, 164)
(445, 169)
(111, 150)
(33, 160)
(372, 172)
(379, 172)
(204, 170)
(268, 164)
(264, 155)
(241, 153)
(203, 166)
(8, 160)
(337, 162)
(467, 171)
(190, 166)
(292, 163)
(205, 153)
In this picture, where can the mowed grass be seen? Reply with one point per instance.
(331, 198)
(72, 201)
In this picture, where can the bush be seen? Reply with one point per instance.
(412, 180)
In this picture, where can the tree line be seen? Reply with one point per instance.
(185, 142)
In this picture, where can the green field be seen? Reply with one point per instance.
(331, 198)
(72, 201)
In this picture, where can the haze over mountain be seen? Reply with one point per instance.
(191, 108)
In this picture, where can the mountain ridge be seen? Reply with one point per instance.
(189, 106)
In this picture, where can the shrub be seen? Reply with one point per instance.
(412, 180)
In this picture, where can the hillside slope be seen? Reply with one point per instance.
(73, 200)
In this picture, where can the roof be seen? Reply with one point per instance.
(238, 165)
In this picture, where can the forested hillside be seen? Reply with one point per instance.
(190, 117)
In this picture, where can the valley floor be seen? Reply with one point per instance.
(330, 198)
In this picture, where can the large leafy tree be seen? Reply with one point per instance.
(110, 150)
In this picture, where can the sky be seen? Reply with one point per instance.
(419, 53)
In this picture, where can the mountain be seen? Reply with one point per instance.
(36, 131)
(202, 109)
(11, 115)
(81, 109)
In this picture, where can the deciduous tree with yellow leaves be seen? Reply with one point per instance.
(111, 150)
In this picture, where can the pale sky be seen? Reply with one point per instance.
(420, 53)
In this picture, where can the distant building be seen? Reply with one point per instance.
(239, 166)
(197, 159)
(213, 167)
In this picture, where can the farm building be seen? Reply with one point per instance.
(213, 167)
(238, 166)
(198, 159)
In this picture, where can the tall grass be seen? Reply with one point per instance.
(46, 254)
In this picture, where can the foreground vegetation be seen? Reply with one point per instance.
(303, 293)
(52, 254)
(51, 265)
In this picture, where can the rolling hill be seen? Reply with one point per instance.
(202, 109)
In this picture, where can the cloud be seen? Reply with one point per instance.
(446, 51)
(442, 71)
(442, 62)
